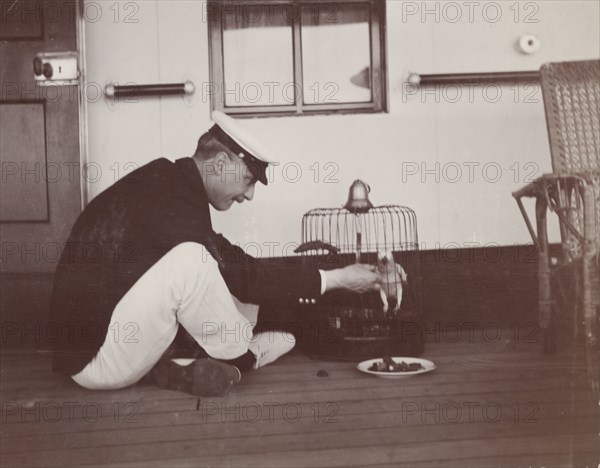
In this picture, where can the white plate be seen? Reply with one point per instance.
(428, 366)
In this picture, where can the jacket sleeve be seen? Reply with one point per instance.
(265, 281)
(273, 281)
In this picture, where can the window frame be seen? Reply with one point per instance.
(378, 52)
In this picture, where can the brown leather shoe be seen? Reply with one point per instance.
(203, 377)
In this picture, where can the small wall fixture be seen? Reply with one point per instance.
(529, 44)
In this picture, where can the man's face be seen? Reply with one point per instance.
(231, 182)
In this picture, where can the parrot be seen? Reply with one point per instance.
(393, 278)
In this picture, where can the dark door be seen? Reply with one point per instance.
(40, 186)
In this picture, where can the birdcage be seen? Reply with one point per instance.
(352, 326)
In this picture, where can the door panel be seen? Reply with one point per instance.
(40, 170)
(22, 21)
(23, 198)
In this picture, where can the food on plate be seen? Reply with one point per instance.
(387, 364)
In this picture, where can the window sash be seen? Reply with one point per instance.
(378, 101)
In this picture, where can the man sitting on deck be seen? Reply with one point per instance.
(157, 263)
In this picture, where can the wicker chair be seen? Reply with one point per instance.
(569, 287)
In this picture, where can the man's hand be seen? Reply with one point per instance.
(358, 278)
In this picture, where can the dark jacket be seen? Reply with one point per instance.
(128, 228)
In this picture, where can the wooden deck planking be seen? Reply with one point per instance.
(373, 422)
(378, 399)
(526, 452)
(443, 441)
(390, 412)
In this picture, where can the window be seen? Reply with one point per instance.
(297, 57)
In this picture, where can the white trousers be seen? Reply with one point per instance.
(184, 287)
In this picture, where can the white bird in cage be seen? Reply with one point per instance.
(393, 278)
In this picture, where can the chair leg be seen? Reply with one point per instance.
(591, 293)
(544, 291)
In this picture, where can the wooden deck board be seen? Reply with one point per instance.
(487, 404)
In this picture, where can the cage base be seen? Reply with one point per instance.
(321, 342)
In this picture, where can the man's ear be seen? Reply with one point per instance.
(220, 161)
